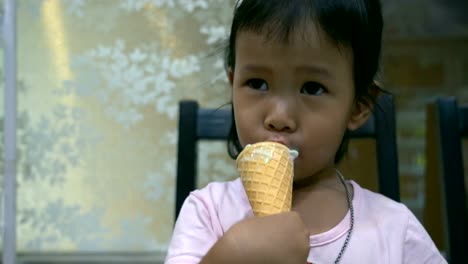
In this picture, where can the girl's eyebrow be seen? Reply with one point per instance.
(323, 72)
(316, 70)
(256, 69)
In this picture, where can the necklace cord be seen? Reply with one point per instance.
(351, 211)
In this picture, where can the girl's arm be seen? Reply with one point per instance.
(281, 238)
(194, 232)
(199, 238)
(418, 245)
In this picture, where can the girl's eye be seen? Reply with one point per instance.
(257, 84)
(313, 88)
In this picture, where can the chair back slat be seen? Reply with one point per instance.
(463, 121)
(451, 122)
(386, 145)
(214, 124)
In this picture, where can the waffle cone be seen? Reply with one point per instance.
(266, 171)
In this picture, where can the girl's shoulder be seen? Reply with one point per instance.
(217, 190)
(393, 224)
(380, 209)
(370, 200)
(225, 202)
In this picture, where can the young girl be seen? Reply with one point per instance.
(302, 74)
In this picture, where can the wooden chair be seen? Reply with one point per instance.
(197, 124)
(451, 126)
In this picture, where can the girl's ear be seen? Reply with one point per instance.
(361, 112)
(363, 108)
(230, 75)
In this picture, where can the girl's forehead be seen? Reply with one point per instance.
(307, 37)
(307, 32)
(297, 54)
(303, 49)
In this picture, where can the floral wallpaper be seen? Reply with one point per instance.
(99, 83)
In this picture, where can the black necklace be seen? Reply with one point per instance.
(351, 211)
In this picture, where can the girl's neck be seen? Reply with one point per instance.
(326, 178)
(320, 201)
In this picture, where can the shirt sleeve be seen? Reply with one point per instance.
(194, 233)
(418, 246)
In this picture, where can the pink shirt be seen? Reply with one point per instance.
(385, 232)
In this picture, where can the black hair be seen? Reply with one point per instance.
(353, 24)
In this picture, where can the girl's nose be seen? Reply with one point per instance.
(280, 117)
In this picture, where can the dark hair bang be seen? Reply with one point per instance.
(275, 19)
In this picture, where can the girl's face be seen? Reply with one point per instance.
(299, 93)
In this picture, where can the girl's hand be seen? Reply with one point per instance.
(281, 238)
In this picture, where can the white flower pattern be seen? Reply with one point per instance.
(117, 109)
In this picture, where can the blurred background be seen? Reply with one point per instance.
(98, 88)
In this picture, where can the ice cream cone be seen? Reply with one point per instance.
(266, 170)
